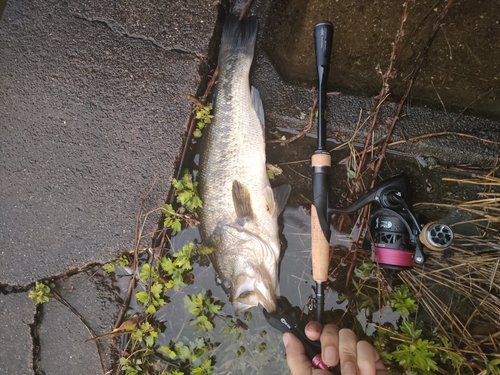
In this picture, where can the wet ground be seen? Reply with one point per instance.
(296, 282)
(94, 108)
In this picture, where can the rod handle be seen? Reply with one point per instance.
(320, 223)
(320, 249)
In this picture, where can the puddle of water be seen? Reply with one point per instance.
(242, 350)
(295, 283)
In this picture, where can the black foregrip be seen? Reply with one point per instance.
(321, 197)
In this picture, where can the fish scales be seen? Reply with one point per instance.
(234, 143)
(240, 210)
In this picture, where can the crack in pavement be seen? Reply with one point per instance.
(34, 327)
(119, 29)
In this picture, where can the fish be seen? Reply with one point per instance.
(239, 217)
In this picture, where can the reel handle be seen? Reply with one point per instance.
(436, 236)
(388, 194)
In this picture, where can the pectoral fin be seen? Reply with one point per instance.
(242, 201)
(276, 198)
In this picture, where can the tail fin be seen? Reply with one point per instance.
(238, 36)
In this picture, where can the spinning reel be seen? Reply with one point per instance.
(398, 238)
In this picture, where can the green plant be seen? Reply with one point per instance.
(129, 366)
(193, 356)
(415, 354)
(415, 351)
(169, 272)
(448, 355)
(153, 298)
(41, 293)
(204, 308)
(145, 333)
(175, 269)
(186, 193)
(120, 262)
(405, 348)
(204, 117)
(364, 297)
(402, 301)
(141, 348)
(178, 267)
(273, 170)
(493, 367)
(365, 270)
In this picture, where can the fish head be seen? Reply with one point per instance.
(247, 268)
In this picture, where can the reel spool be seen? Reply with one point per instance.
(392, 242)
(398, 238)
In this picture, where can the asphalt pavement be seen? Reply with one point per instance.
(93, 111)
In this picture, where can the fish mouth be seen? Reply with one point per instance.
(252, 293)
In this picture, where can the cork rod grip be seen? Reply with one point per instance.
(320, 249)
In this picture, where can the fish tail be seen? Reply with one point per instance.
(238, 37)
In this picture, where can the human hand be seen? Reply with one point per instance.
(356, 357)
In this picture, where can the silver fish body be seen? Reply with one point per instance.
(239, 218)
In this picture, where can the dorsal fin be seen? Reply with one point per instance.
(242, 201)
(257, 105)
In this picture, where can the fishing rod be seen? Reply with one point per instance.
(321, 165)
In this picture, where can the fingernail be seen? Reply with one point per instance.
(314, 326)
(286, 339)
(349, 368)
(330, 356)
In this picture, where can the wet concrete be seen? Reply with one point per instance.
(93, 107)
(62, 335)
(285, 85)
(17, 314)
(3, 4)
(462, 69)
(91, 115)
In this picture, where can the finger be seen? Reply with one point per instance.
(296, 358)
(330, 345)
(369, 362)
(381, 369)
(313, 330)
(348, 352)
(297, 361)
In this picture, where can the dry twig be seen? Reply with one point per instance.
(246, 8)
(137, 240)
(66, 304)
(418, 65)
(303, 132)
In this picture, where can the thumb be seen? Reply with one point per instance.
(296, 356)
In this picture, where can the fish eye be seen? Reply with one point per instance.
(227, 284)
